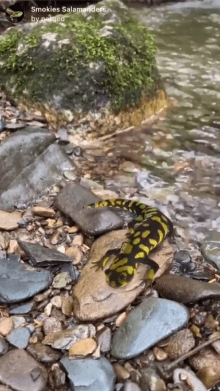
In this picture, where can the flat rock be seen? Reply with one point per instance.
(211, 252)
(9, 221)
(22, 372)
(42, 256)
(43, 353)
(25, 308)
(186, 290)
(19, 337)
(150, 322)
(88, 374)
(30, 163)
(71, 200)
(93, 297)
(19, 281)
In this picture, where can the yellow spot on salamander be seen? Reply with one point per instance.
(142, 206)
(129, 269)
(145, 224)
(139, 218)
(128, 249)
(144, 248)
(130, 204)
(137, 234)
(118, 202)
(156, 218)
(116, 264)
(140, 255)
(145, 234)
(131, 231)
(153, 242)
(150, 275)
(161, 236)
(136, 241)
(164, 218)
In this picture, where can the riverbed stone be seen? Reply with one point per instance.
(192, 379)
(155, 318)
(180, 343)
(93, 297)
(25, 308)
(30, 163)
(42, 256)
(19, 281)
(22, 372)
(64, 339)
(19, 337)
(211, 252)
(9, 221)
(44, 353)
(207, 365)
(71, 200)
(186, 290)
(3, 346)
(89, 374)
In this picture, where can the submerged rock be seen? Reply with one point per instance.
(89, 374)
(30, 163)
(22, 372)
(154, 318)
(19, 281)
(42, 256)
(186, 290)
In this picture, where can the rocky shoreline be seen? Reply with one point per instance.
(61, 326)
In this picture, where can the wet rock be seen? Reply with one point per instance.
(93, 297)
(150, 380)
(42, 256)
(211, 252)
(191, 378)
(61, 280)
(6, 326)
(19, 337)
(70, 175)
(75, 254)
(89, 374)
(44, 353)
(64, 339)
(207, 365)
(71, 200)
(27, 373)
(180, 343)
(3, 346)
(30, 163)
(120, 372)
(67, 306)
(9, 221)
(44, 212)
(19, 281)
(51, 325)
(20, 309)
(186, 290)
(84, 347)
(130, 339)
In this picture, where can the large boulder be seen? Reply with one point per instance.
(96, 62)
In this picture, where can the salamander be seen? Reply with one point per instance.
(148, 229)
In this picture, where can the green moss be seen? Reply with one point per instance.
(129, 61)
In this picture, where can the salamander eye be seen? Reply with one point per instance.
(122, 277)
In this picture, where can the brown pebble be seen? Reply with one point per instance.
(13, 246)
(42, 296)
(160, 353)
(56, 301)
(120, 372)
(120, 319)
(55, 238)
(209, 376)
(43, 212)
(6, 326)
(67, 306)
(73, 230)
(77, 240)
(75, 254)
(196, 331)
(84, 347)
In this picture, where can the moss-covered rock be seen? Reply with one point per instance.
(81, 63)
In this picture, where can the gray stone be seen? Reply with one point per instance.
(30, 163)
(42, 256)
(192, 379)
(71, 200)
(150, 322)
(211, 252)
(89, 374)
(22, 372)
(130, 386)
(24, 308)
(19, 337)
(44, 353)
(3, 346)
(186, 290)
(19, 281)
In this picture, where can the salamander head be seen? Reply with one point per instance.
(118, 279)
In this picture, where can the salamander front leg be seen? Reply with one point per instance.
(104, 260)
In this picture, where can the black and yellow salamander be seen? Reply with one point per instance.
(148, 229)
